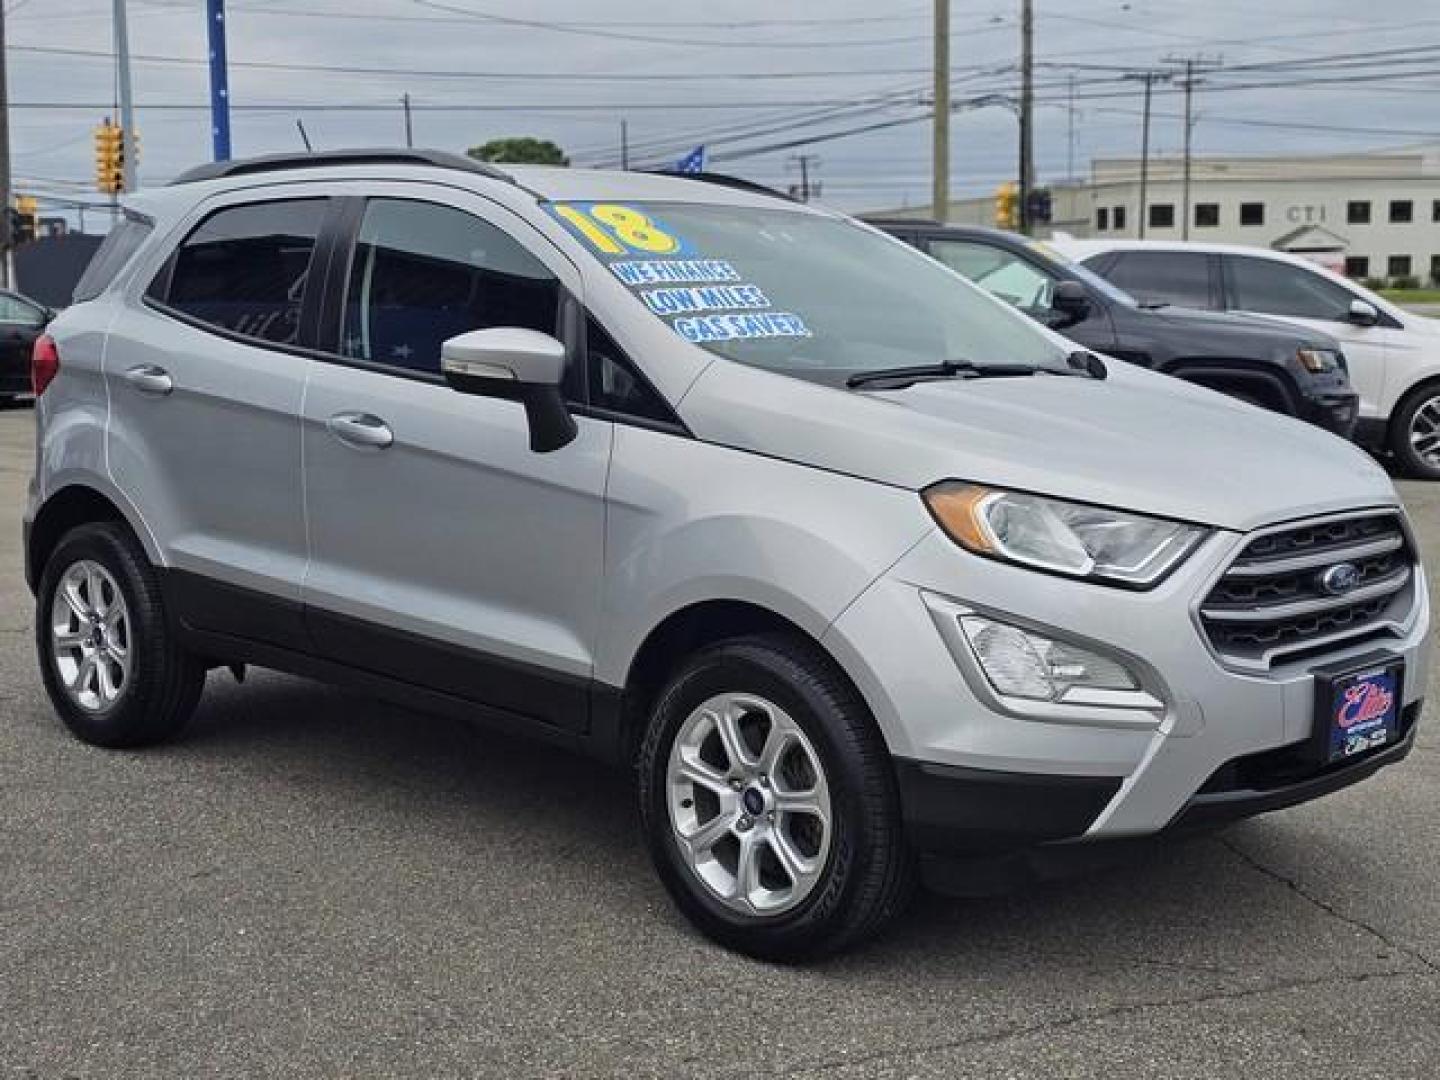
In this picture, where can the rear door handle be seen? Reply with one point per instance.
(361, 429)
(149, 379)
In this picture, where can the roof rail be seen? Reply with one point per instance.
(724, 180)
(324, 158)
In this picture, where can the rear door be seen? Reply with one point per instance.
(1187, 279)
(444, 551)
(206, 373)
(1270, 287)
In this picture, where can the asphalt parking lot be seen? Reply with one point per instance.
(311, 883)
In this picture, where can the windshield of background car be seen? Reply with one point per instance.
(800, 293)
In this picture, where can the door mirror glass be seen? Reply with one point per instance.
(516, 364)
(1363, 313)
(1071, 297)
(1069, 304)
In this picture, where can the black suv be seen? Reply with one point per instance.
(1298, 372)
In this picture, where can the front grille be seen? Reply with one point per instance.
(1270, 604)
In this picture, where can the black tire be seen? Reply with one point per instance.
(868, 875)
(163, 683)
(1410, 462)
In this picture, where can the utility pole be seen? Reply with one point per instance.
(940, 150)
(1189, 64)
(1027, 111)
(624, 144)
(1070, 135)
(219, 80)
(127, 107)
(1149, 78)
(805, 190)
(409, 132)
(5, 238)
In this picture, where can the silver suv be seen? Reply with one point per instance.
(864, 572)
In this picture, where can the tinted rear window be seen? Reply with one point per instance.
(110, 257)
(243, 269)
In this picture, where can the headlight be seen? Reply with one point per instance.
(1063, 537)
(1319, 361)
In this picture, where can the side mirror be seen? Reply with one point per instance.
(1362, 313)
(1070, 301)
(517, 365)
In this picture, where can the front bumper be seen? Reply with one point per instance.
(1338, 413)
(1143, 774)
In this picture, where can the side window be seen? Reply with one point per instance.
(243, 269)
(110, 258)
(997, 271)
(1164, 277)
(615, 384)
(1276, 288)
(422, 273)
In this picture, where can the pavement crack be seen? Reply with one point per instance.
(1324, 905)
(1069, 1020)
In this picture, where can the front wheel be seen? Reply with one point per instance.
(769, 801)
(1415, 434)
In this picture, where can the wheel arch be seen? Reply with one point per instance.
(682, 633)
(1274, 387)
(68, 507)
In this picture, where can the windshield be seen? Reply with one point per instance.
(800, 293)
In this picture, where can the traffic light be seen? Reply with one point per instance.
(1040, 207)
(1007, 206)
(25, 225)
(109, 158)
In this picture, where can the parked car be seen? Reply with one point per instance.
(1394, 354)
(860, 570)
(1296, 372)
(21, 322)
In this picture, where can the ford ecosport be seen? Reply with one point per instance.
(862, 570)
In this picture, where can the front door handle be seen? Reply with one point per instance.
(361, 429)
(149, 379)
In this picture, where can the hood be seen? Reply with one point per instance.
(1228, 325)
(1137, 441)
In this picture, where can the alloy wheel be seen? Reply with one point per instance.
(1425, 432)
(90, 636)
(749, 804)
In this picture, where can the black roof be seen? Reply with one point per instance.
(322, 158)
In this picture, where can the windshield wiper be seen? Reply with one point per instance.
(947, 369)
(1078, 363)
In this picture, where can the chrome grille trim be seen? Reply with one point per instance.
(1386, 586)
(1314, 561)
(1267, 605)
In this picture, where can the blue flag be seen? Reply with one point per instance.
(693, 162)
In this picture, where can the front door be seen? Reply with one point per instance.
(1016, 280)
(1269, 287)
(444, 551)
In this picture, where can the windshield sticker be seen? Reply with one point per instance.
(690, 287)
(736, 327)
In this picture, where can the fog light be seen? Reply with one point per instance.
(1023, 664)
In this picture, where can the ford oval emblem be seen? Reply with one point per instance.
(1340, 579)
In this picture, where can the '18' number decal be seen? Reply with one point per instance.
(613, 229)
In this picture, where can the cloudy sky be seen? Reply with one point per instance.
(747, 77)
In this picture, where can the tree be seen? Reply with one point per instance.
(520, 151)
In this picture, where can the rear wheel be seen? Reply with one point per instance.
(769, 801)
(1415, 434)
(109, 660)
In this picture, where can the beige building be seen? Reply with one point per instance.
(1372, 215)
